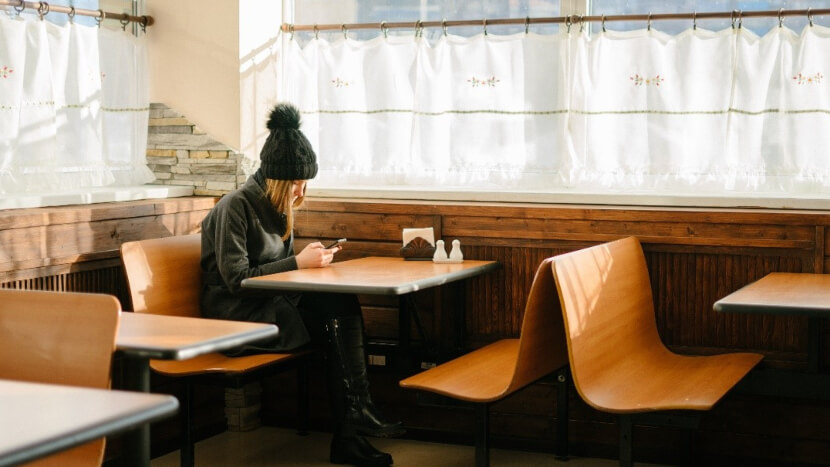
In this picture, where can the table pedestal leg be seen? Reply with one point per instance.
(136, 443)
(813, 344)
(404, 329)
(460, 315)
(434, 350)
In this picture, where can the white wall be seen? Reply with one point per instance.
(214, 61)
(193, 52)
(259, 72)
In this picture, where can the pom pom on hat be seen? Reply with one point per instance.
(285, 117)
(287, 154)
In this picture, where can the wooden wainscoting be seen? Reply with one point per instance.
(67, 243)
(695, 256)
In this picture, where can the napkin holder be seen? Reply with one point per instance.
(418, 244)
(418, 249)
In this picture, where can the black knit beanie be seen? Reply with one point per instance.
(287, 154)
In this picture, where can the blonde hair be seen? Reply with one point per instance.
(279, 193)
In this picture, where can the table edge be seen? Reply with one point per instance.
(263, 284)
(766, 309)
(194, 350)
(166, 406)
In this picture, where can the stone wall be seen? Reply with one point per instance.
(179, 153)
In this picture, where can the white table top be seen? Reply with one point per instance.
(372, 275)
(40, 419)
(781, 293)
(179, 338)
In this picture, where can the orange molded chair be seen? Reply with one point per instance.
(618, 362)
(497, 370)
(164, 277)
(59, 338)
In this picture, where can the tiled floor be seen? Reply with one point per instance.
(269, 446)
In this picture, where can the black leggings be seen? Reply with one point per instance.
(318, 308)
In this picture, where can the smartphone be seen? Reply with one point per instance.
(336, 243)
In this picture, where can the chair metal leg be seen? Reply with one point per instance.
(187, 450)
(625, 440)
(482, 435)
(561, 449)
(302, 398)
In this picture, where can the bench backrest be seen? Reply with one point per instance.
(608, 308)
(59, 338)
(542, 347)
(163, 274)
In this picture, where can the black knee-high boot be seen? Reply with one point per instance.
(356, 450)
(348, 372)
(347, 447)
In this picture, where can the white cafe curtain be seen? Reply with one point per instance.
(73, 107)
(640, 111)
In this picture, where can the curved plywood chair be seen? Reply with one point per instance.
(164, 277)
(618, 362)
(494, 372)
(59, 338)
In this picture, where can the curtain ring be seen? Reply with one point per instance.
(648, 28)
(71, 14)
(485, 26)
(124, 22)
(732, 17)
(99, 18)
(316, 32)
(581, 24)
(42, 9)
(568, 23)
(384, 29)
(740, 19)
(780, 18)
(809, 17)
(444, 26)
(694, 20)
(144, 24)
(22, 5)
(291, 32)
(345, 31)
(603, 23)
(527, 24)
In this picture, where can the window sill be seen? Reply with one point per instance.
(93, 195)
(810, 201)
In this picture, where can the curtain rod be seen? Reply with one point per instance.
(734, 15)
(43, 9)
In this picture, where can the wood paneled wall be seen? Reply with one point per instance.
(695, 257)
(66, 248)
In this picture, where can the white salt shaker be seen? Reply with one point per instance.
(455, 254)
(440, 252)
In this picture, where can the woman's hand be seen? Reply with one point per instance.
(315, 255)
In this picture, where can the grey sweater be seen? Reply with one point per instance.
(241, 238)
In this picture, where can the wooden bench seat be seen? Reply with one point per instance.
(164, 277)
(462, 379)
(499, 369)
(618, 361)
(219, 363)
